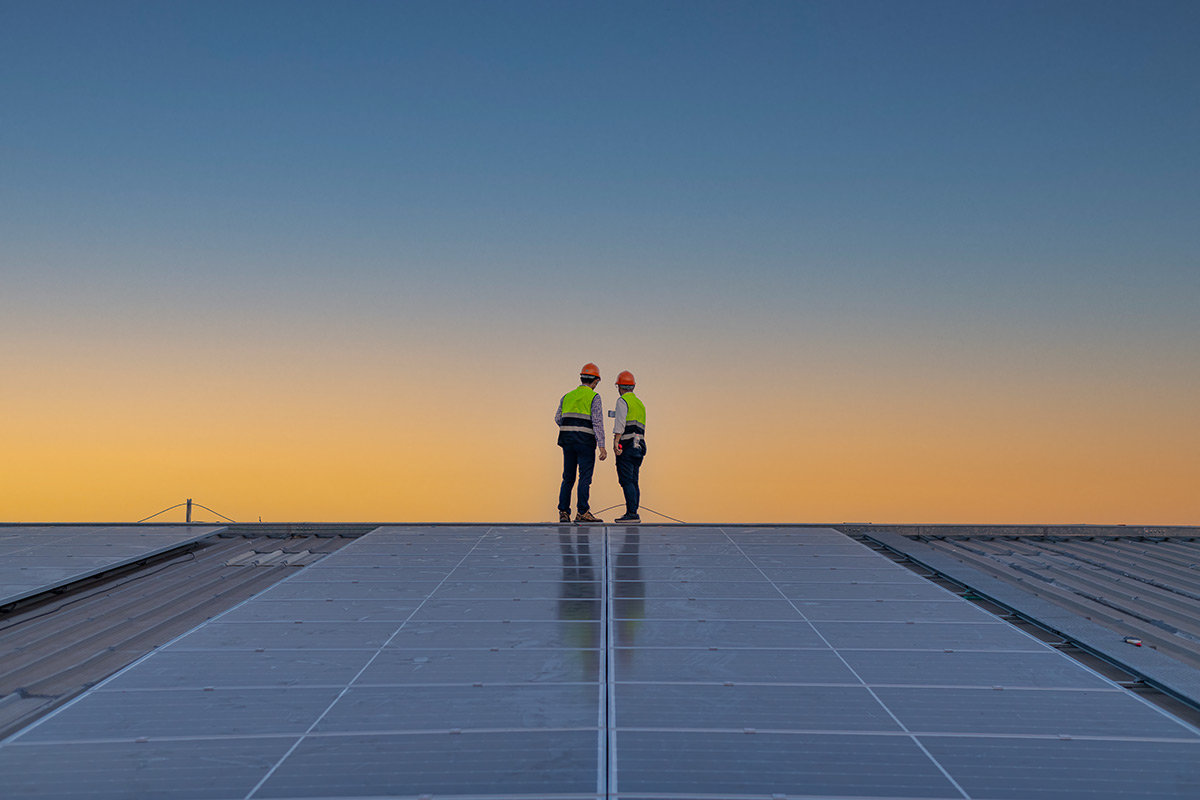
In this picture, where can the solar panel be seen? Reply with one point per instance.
(853, 694)
(630, 663)
(37, 559)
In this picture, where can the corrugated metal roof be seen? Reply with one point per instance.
(1147, 588)
(57, 645)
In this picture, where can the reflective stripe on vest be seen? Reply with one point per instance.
(577, 411)
(635, 418)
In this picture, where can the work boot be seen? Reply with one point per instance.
(586, 516)
(564, 516)
(631, 518)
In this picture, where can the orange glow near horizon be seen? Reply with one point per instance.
(354, 442)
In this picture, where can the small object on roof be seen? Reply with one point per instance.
(1132, 640)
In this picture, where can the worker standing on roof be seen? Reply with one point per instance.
(580, 420)
(629, 443)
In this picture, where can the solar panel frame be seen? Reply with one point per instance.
(38, 559)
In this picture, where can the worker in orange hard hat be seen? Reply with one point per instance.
(629, 443)
(580, 420)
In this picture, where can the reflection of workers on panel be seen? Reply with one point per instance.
(579, 600)
(629, 596)
(580, 419)
(629, 443)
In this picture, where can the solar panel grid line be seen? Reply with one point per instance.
(1065, 737)
(730, 647)
(935, 649)
(1116, 690)
(300, 740)
(896, 719)
(909, 734)
(607, 759)
(220, 737)
(360, 684)
(833, 620)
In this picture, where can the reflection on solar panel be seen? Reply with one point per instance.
(605, 662)
(37, 559)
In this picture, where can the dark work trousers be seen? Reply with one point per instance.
(628, 468)
(583, 458)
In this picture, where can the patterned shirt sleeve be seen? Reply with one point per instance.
(598, 419)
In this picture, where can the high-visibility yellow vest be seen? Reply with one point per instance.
(577, 415)
(635, 419)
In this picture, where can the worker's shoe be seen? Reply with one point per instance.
(586, 516)
(628, 518)
(564, 516)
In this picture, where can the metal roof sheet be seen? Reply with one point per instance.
(1143, 587)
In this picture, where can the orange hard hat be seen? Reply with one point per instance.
(626, 379)
(590, 369)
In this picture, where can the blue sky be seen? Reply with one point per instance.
(954, 192)
(902, 138)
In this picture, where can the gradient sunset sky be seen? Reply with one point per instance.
(870, 261)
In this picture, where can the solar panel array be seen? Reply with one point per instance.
(36, 559)
(631, 663)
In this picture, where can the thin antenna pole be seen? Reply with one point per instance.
(189, 509)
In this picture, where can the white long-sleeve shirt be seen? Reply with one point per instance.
(620, 414)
